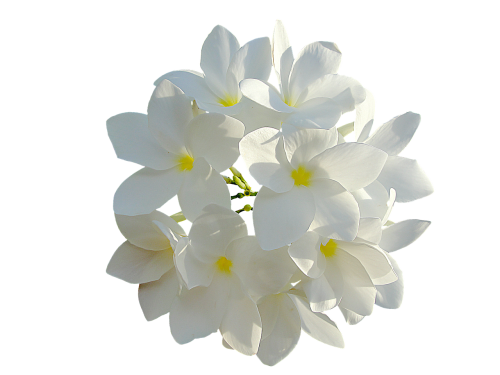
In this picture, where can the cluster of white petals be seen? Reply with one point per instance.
(321, 215)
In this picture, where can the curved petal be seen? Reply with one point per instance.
(285, 333)
(253, 60)
(313, 62)
(306, 255)
(406, 177)
(132, 141)
(301, 145)
(156, 297)
(345, 92)
(269, 308)
(264, 154)
(198, 312)
(202, 186)
(337, 212)
(146, 190)
(282, 218)
(317, 113)
(135, 265)
(216, 54)
(372, 200)
(169, 113)
(193, 271)
(192, 83)
(264, 94)
(354, 165)
(320, 294)
(317, 325)
(142, 232)
(215, 137)
(402, 234)
(365, 113)
(282, 56)
(370, 230)
(255, 116)
(350, 317)
(394, 136)
(390, 296)
(241, 326)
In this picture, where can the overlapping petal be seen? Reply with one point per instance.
(156, 297)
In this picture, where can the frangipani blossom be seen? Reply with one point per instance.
(146, 258)
(182, 154)
(224, 65)
(312, 94)
(306, 180)
(340, 272)
(215, 264)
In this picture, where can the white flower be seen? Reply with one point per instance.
(340, 272)
(220, 266)
(306, 180)
(146, 258)
(182, 154)
(312, 94)
(225, 64)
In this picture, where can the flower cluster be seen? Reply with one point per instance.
(321, 216)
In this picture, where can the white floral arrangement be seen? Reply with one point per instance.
(323, 237)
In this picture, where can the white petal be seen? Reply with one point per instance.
(317, 325)
(320, 294)
(285, 334)
(337, 212)
(198, 312)
(269, 308)
(394, 136)
(146, 190)
(406, 177)
(216, 54)
(241, 326)
(359, 292)
(217, 107)
(390, 205)
(282, 218)
(282, 56)
(373, 260)
(307, 256)
(156, 297)
(354, 165)
(135, 265)
(253, 60)
(390, 296)
(370, 230)
(142, 232)
(372, 200)
(202, 186)
(318, 113)
(399, 235)
(301, 145)
(213, 231)
(193, 271)
(344, 92)
(264, 154)
(169, 113)
(215, 137)
(191, 83)
(350, 317)
(313, 62)
(255, 116)
(132, 141)
(264, 94)
(365, 113)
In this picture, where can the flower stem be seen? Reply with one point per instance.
(246, 207)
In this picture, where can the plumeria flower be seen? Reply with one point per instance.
(340, 272)
(182, 154)
(405, 174)
(218, 263)
(224, 65)
(312, 94)
(306, 180)
(146, 258)
(283, 316)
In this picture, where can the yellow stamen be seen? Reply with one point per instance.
(185, 162)
(329, 249)
(224, 265)
(302, 176)
(288, 101)
(228, 101)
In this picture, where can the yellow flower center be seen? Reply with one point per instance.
(185, 162)
(224, 265)
(302, 176)
(228, 100)
(288, 101)
(329, 249)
